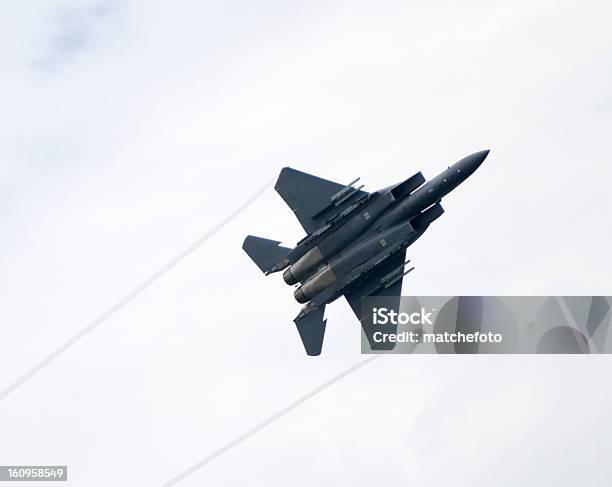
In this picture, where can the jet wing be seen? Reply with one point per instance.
(314, 199)
(371, 287)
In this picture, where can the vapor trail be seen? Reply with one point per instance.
(132, 294)
(266, 422)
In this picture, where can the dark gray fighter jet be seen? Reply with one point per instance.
(356, 241)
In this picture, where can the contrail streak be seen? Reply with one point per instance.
(266, 422)
(131, 295)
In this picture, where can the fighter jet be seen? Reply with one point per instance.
(356, 241)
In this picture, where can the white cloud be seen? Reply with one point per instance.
(150, 122)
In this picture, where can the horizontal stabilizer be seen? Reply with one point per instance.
(311, 327)
(267, 254)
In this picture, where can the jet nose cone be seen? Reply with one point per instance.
(477, 158)
(472, 162)
(484, 153)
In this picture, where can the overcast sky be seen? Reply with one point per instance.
(129, 128)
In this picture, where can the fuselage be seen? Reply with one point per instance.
(371, 230)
